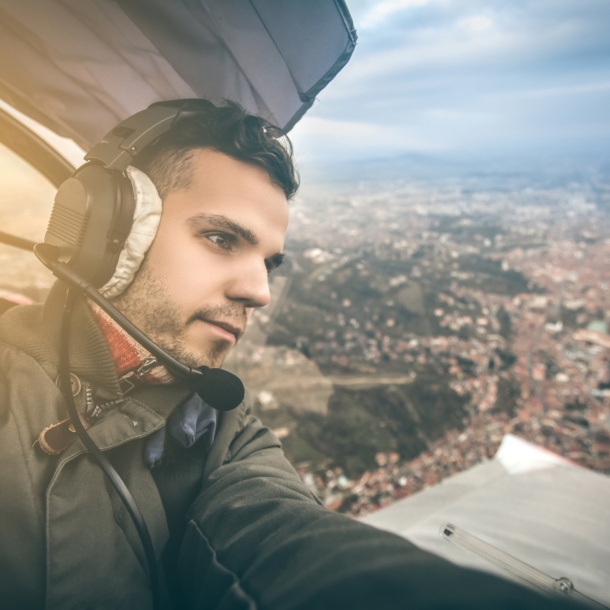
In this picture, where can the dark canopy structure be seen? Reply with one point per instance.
(81, 66)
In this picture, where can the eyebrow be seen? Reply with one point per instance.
(218, 221)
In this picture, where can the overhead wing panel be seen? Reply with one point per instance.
(81, 66)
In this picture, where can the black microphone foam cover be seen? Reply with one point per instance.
(220, 389)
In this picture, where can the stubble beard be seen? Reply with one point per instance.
(148, 304)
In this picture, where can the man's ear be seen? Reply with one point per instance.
(147, 216)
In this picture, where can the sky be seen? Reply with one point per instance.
(467, 77)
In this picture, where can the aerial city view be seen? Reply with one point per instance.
(416, 325)
(447, 274)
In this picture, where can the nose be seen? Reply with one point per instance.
(250, 285)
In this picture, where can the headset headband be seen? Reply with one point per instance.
(120, 145)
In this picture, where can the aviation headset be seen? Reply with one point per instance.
(94, 209)
(91, 220)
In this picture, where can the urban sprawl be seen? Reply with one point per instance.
(417, 326)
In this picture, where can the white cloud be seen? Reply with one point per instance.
(432, 49)
(458, 114)
(380, 12)
(447, 75)
(357, 139)
(469, 44)
(554, 91)
(476, 23)
(336, 129)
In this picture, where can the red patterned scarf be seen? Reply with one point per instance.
(134, 364)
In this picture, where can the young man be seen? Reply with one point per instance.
(232, 524)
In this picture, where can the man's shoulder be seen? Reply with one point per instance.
(21, 326)
(21, 343)
(29, 398)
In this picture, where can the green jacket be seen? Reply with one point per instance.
(247, 533)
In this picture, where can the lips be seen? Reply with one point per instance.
(236, 331)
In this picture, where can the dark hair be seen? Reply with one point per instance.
(227, 129)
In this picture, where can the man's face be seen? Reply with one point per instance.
(208, 264)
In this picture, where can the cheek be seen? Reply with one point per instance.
(186, 268)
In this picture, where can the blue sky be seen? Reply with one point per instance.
(467, 77)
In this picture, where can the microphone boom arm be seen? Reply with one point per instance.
(220, 389)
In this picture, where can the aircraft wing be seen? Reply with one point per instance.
(81, 66)
(525, 514)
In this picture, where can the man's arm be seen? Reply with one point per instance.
(258, 538)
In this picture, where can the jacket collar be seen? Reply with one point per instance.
(34, 329)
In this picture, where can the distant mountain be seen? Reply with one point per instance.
(477, 172)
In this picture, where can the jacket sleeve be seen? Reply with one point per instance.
(257, 538)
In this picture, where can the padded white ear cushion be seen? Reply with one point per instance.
(147, 215)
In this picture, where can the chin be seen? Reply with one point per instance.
(195, 354)
(212, 356)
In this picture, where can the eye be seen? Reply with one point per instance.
(222, 240)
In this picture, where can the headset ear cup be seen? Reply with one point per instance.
(90, 221)
(146, 218)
